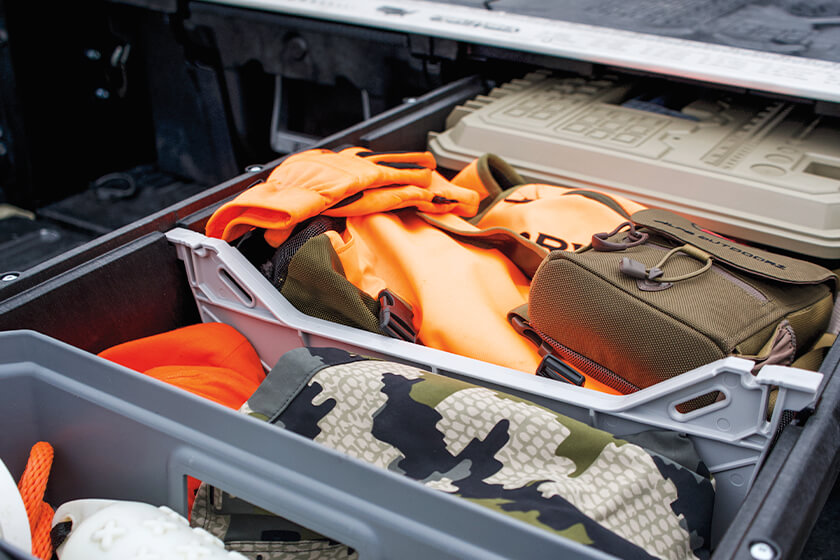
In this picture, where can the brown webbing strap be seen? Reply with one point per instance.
(813, 358)
(525, 254)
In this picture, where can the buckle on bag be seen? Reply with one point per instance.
(523, 328)
(550, 366)
(395, 317)
(556, 369)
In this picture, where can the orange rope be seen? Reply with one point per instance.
(32, 486)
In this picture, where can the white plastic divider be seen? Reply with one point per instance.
(732, 435)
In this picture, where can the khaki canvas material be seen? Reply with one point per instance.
(637, 332)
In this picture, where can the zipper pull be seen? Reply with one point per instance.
(632, 268)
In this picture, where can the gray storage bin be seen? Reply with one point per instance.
(7, 552)
(732, 435)
(132, 284)
(121, 435)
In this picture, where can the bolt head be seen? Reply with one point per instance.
(93, 54)
(762, 551)
(297, 48)
(9, 276)
(102, 93)
(254, 168)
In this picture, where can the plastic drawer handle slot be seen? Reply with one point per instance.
(236, 287)
(699, 404)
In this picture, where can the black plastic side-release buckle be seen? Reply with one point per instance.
(396, 316)
(554, 368)
(550, 366)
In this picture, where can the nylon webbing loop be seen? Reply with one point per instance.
(635, 269)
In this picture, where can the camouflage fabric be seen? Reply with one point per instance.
(499, 451)
(258, 534)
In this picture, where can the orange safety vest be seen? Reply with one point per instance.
(211, 360)
(460, 277)
(459, 286)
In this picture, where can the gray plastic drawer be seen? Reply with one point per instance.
(121, 435)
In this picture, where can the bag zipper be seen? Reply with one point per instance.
(749, 289)
(588, 367)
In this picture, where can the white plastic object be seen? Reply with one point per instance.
(14, 523)
(117, 530)
(732, 435)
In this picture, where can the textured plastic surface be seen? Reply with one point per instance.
(732, 435)
(120, 435)
(25, 242)
(788, 26)
(780, 26)
(761, 170)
